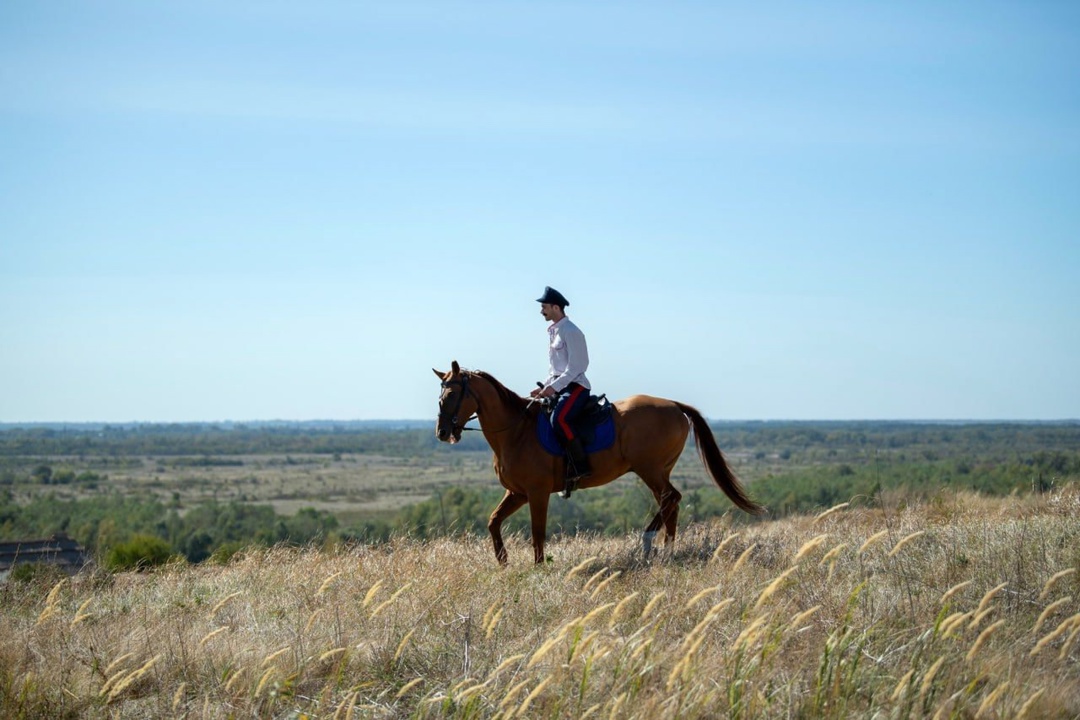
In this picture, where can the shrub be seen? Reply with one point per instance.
(36, 572)
(224, 553)
(141, 551)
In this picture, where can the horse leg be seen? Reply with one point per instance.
(650, 533)
(667, 497)
(538, 508)
(510, 504)
(669, 510)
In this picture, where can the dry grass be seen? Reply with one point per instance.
(966, 611)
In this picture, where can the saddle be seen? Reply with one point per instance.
(595, 425)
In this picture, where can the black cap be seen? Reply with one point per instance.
(552, 296)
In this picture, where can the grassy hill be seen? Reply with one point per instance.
(963, 606)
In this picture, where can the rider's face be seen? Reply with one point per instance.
(551, 313)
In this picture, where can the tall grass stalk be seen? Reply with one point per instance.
(965, 619)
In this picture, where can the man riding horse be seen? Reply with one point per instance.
(568, 359)
(647, 436)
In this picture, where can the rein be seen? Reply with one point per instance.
(464, 383)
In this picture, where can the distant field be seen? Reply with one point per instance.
(369, 483)
(363, 483)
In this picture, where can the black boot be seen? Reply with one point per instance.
(577, 467)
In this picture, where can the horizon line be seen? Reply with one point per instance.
(8, 424)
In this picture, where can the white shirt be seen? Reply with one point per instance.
(568, 356)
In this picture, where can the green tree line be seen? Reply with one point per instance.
(106, 522)
(998, 440)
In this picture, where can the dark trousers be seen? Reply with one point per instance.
(571, 400)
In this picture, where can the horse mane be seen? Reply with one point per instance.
(508, 396)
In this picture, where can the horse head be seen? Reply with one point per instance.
(457, 404)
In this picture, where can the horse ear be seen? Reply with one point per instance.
(438, 374)
(455, 369)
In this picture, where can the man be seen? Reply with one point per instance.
(568, 357)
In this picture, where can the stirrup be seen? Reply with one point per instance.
(570, 483)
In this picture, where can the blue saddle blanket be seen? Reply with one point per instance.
(595, 436)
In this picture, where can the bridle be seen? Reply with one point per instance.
(451, 416)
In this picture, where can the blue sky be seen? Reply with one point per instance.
(285, 210)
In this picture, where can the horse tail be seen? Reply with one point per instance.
(715, 464)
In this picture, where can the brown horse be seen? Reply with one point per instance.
(650, 434)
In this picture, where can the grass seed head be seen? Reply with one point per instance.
(235, 679)
(331, 654)
(872, 540)
(371, 593)
(48, 612)
(928, 678)
(902, 686)
(345, 707)
(982, 639)
(595, 577)
(223, 602)
(131, 679)
(81, 613)
(653, 602)
(490, 625)
(328, 582)
(512, 693)
(1066, 647)
(742, 559)
(952, 623)
(607, 581)
(700, 596)
(1049, 585)
(492, 609)
(830, 511)
(953, 590)
(266, 677)
(117, 662)
(810, 546)
(212, 634)
(723, 544)
(617, 612)
(979, 617)
(749, 632)
(178, 697)
(990, 595)
(798, 619)
(274, 656)
(1054, 634)
(544, 649)
(403, 643)
(513, 659)
(580, 566)
(719, 607)
(1029, 704)
(904, 541)
(1048, 611)
(775, 585)
(532, 696)
(592, 615)
(988, 703)
(54, 594)
(832, 554)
